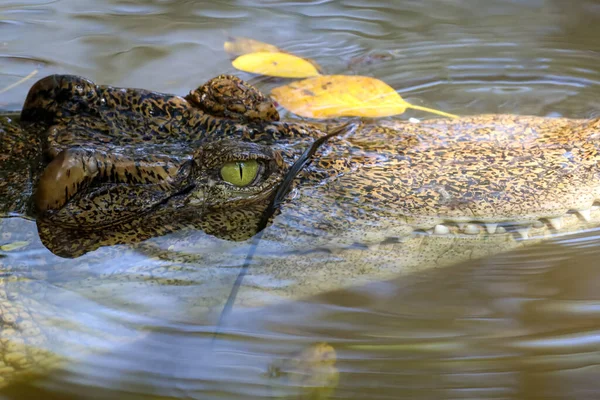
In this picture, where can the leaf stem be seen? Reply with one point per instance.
(17, 83)
(431, 110)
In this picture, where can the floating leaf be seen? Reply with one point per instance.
(339, 95)
(281, 65)
(237, 46)
(13, 246)
(330, 96)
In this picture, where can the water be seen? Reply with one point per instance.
(522, 324)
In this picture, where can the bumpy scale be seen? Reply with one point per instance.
(97, 165)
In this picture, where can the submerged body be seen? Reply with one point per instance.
(98, 166)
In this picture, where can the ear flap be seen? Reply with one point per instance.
(150, 179)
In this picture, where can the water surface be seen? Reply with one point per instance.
(518, 325)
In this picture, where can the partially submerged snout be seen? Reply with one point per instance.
(221, 153)
(501, 170)
(483, 175)
(480, 175)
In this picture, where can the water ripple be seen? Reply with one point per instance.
(518, 325)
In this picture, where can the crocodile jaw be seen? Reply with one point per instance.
(277, 274)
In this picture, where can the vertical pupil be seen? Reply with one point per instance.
(240, 166)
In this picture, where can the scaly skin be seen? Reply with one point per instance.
(379, 200)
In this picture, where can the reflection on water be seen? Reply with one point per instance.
(518, 325)
(523, 324)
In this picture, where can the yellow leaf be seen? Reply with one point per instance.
(237, 46)
(329, 96)
(281, 65)
(240, 45)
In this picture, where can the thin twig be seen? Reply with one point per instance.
(17, 83)
(284, 188)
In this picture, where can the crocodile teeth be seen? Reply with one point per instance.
(491, 228)
(524, 232)
(441, 230)
(557, 223)
(585, 214)
(471, 229)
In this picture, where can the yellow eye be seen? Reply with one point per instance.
(240, 173)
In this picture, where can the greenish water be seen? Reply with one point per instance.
(519, 325)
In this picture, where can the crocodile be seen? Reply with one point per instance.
(117, 192)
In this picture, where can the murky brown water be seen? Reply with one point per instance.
(519, 325)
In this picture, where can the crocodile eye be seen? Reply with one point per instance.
(240, 173)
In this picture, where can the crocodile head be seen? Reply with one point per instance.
(127, 164)
(376, 201)
(478, 176)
